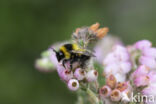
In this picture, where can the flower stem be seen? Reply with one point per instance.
(93, 96)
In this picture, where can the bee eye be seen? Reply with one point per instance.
(61, 54)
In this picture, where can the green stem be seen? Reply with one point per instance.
(93, 96)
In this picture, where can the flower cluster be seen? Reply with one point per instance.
(115, 92)
(148, 53)
(131, 68)
(121, 71)
(145, 75)
(73, 78)
(117, 63)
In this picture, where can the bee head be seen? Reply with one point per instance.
(59, 55)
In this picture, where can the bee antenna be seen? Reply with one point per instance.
(54, 50)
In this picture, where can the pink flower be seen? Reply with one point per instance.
(142, 70)
(66, 75)
(73, 84)
(121, 53)
(118, 63)
(148, 61)
(104, 46)
(150, 92)
(110, 59)
(111, 69)
(92, 76)
(140, 76)
(105, 91)
(143, 44)
(115, 95)
(79, 74)
(152, 76)
(120, 77)
(150, 52)
(125, 67)
(53, 57)
(141, 81)
(60, 69)
(120, 67)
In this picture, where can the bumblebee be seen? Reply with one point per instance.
(72, 53)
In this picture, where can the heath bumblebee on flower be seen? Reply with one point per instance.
(72, 53)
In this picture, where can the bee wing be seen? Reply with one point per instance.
(88, 53)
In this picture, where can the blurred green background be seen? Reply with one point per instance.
(27, 27)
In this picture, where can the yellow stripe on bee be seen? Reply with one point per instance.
(66, 53)
(75, 47)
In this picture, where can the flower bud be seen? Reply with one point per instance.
(92, 76)
(44, 65)
(121, 86)
(66, 75)
(102, 32)
(73, 84)
(115, 95)
(105, 91)
(111, 81)
(79, 74)
(94, 27)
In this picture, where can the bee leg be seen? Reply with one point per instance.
(71, 63)
(71, 66)
(64, 62)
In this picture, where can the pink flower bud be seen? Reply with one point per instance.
(143, 44)
(92, 76)
(79, 74)
(115, 95)
(111, 81)
(73, 84)
(122, 86)
(66, 75)
(105, 91)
